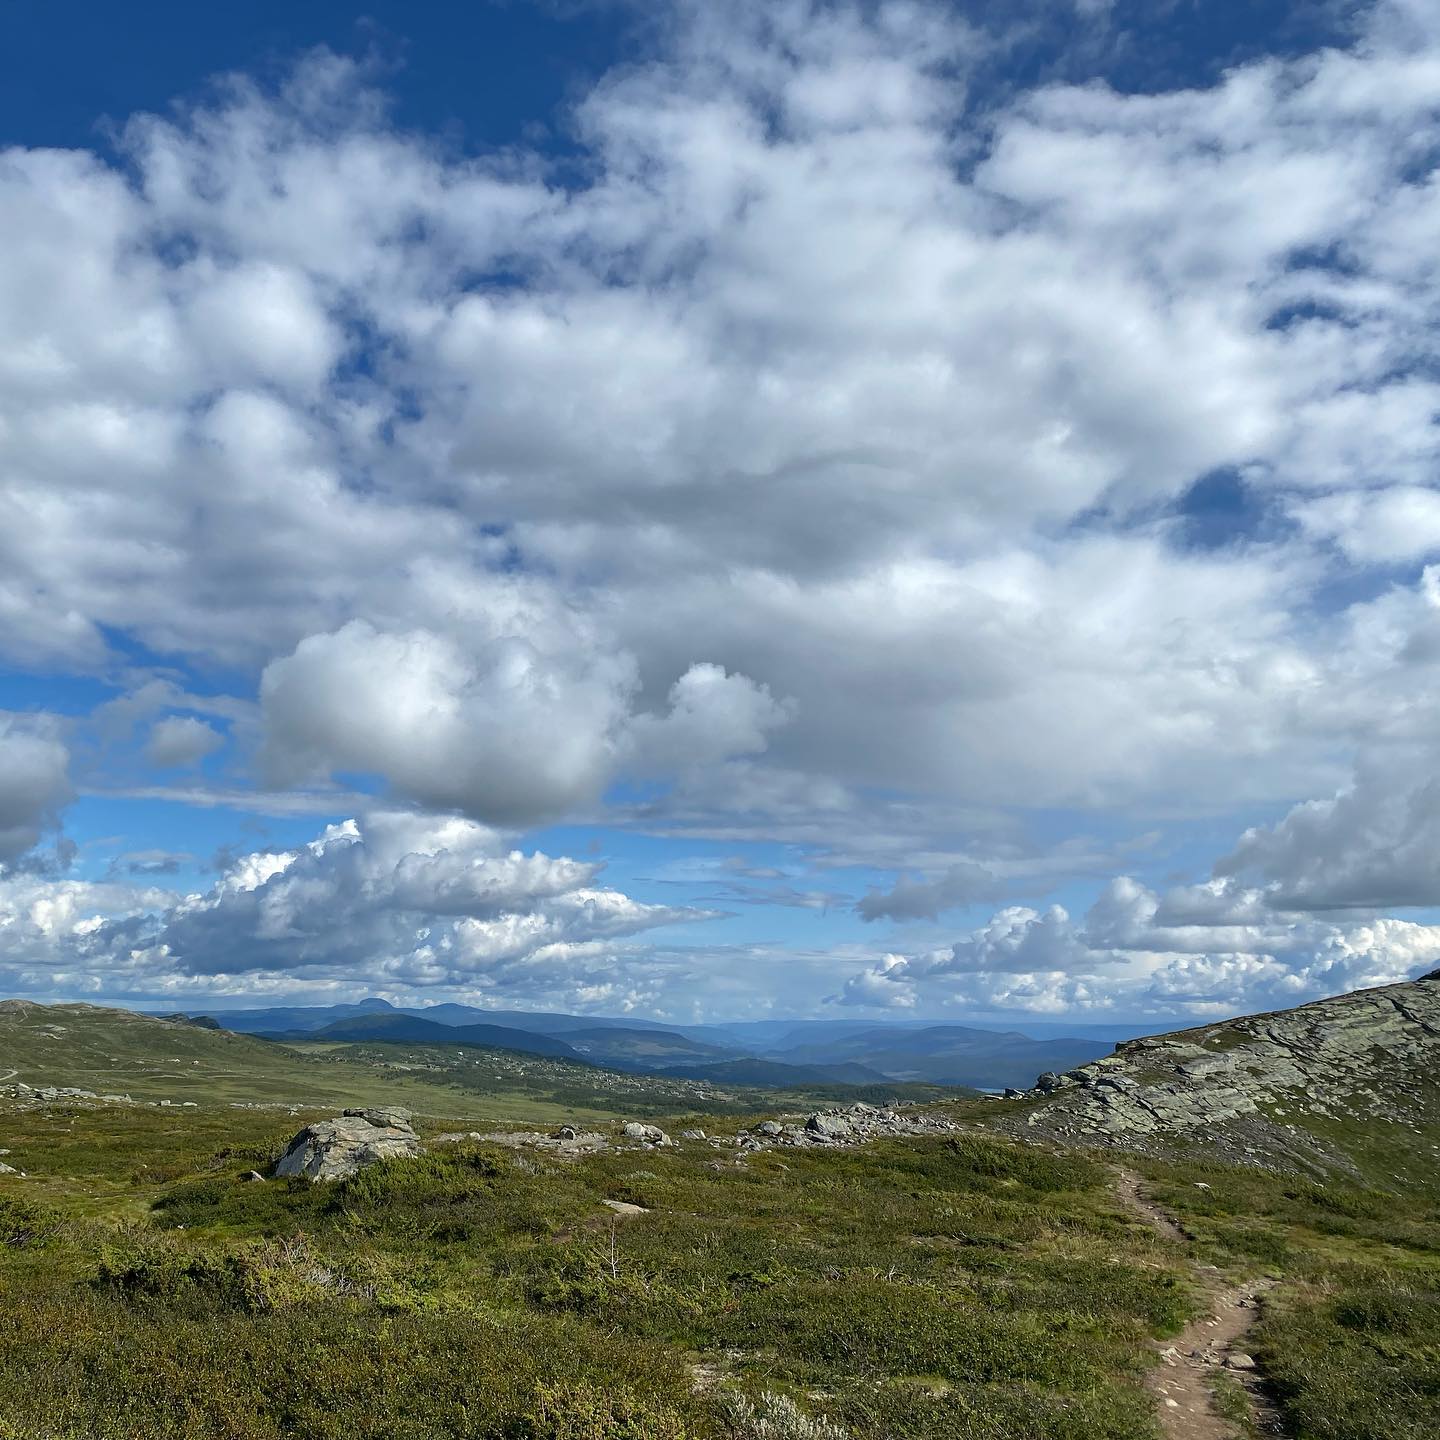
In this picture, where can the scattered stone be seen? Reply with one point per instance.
(576, 1143)
(692, 1134)
(624, 1207)
(854, 1125)
(251, 1176)
(1240, 1361)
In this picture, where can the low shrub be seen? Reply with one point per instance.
(587, 1412)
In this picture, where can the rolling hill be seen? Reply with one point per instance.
(864, 1050)
(290, 1019)
(777, 1074)
(643, 1049)
(946, 1054)
(409, 1029)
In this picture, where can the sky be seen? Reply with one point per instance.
(901, 510)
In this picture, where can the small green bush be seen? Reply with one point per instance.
(25, 1225)
(586, 1412)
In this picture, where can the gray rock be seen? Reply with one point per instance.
(768, 1128)
(336, 1149)
(624, 1207)
(1240, 1362)
(386, 1116)
(646, 1134)
(829, 1125)
(692, 1134)
(1353, 1055)
(251, 1176)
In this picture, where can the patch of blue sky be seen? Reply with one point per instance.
(111, 829)
(56, 694)
(470, 75)
(482, 75)
(1223, 508)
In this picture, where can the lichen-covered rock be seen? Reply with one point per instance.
(640, 1134)
(1348, 1055)
(336, 1149)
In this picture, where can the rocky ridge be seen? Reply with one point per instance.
(1356, 1056)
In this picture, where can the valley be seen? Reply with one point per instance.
(765, 1052)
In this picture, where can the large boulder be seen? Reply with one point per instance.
(635, 1132)
(336, 1149)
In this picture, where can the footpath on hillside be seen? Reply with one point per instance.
(1211, 1348)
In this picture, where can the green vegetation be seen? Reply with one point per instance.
(119, 1052)
(966, 1286)
(563, 1089)
(1349, 1338)
(951, 1287)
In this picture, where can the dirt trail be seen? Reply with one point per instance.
(1208, 1347)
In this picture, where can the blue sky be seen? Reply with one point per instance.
(899, 509)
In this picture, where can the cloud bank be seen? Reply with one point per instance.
(812, 455)
(410, 902)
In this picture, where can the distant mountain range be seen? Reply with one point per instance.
(767, 1052)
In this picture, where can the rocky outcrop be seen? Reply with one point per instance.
(48, 1094)
(1356, 1055)
(336, 1149)
(653, 1135)
(854, 1125)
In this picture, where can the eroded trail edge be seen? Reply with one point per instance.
(1209, 1349)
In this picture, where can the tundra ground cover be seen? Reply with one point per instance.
(968, 1286)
